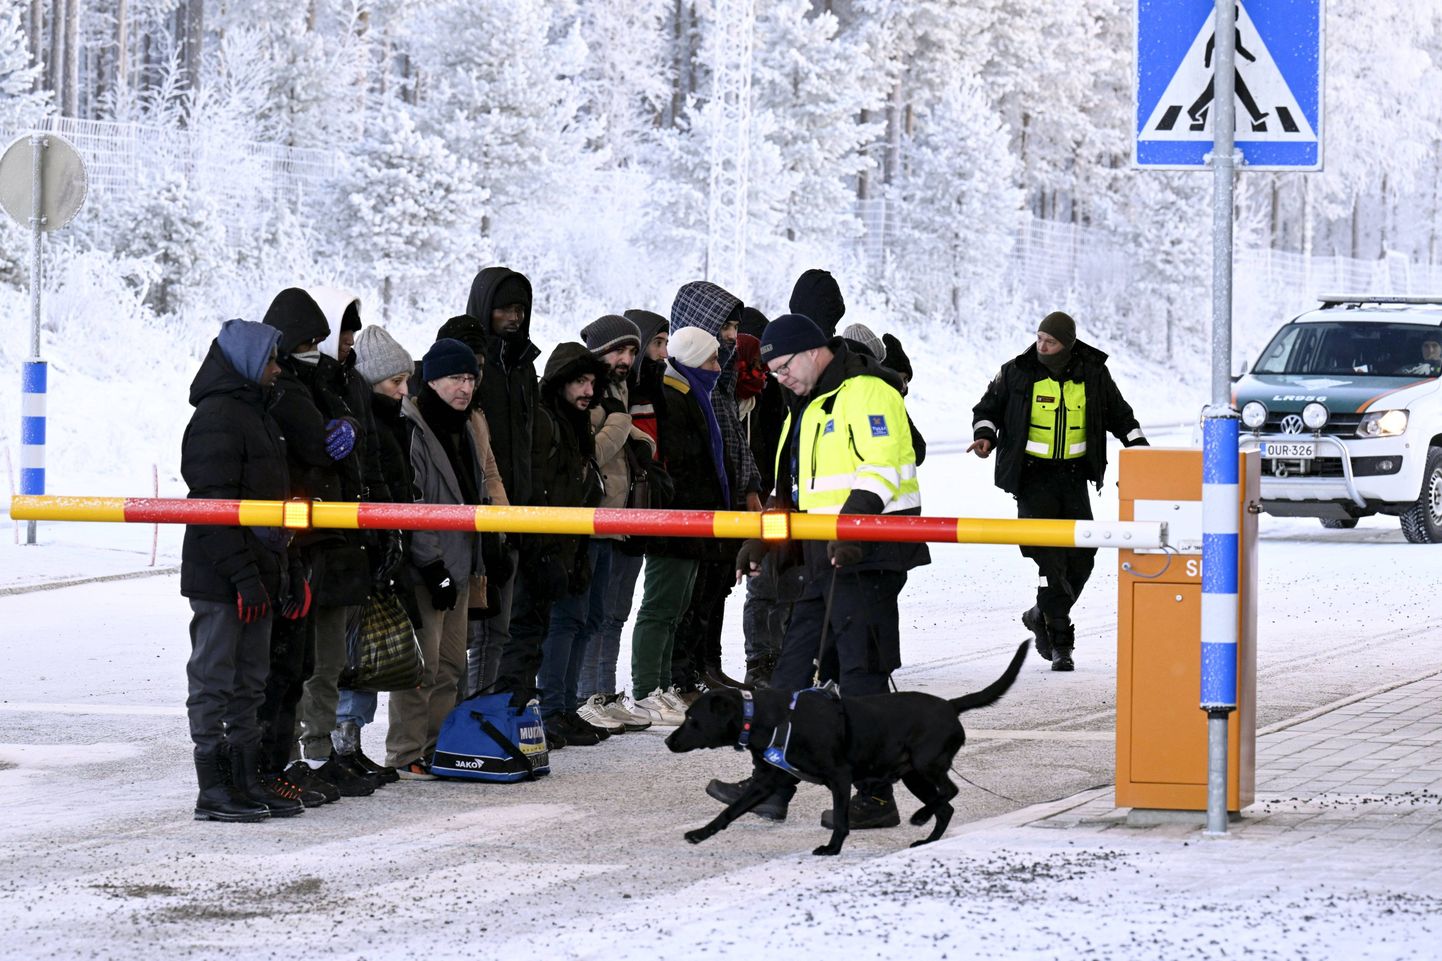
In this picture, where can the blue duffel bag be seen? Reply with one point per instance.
(484, 738)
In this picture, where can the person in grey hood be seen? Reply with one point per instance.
(233, 576)
(501, 300)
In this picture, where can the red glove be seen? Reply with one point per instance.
(296, 604)
(251, 601)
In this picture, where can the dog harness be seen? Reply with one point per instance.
(775, 755)
(748, 712)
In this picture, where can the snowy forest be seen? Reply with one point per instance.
(961, 165)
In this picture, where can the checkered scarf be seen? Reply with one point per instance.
(703, 304)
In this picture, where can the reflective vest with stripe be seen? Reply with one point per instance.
(1058, 428)
(856, 437)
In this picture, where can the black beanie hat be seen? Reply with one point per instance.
(753, 322)
(608, 332)
(448, 356)
(467, 329)
(790, 334)
(1060, 326)
(896, 358)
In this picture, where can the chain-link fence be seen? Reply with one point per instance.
(244, 178)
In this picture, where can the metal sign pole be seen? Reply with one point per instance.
(32, 418)
(1220, 491)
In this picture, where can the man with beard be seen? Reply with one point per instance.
(616, 342)
(501, 300)
(555, 569)
(1047, 413)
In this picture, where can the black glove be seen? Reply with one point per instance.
(496, 557)
(750, 556)
(549, 577)
(438, 581)
(1139, 442)
(612, 405)
(391, 554)
(843, 553)
(251, 600)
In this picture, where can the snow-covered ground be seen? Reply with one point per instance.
(99, 857)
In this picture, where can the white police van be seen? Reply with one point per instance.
(1345, 404)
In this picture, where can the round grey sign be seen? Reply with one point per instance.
(63, 182)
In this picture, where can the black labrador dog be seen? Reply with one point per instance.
(907, 736)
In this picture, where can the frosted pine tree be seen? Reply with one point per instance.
(409, 212)
(955, 209)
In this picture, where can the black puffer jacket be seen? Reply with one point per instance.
(232, 449)
(563, 453)
(1003, 414)
(507, 391)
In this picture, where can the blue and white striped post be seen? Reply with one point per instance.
(32, 434)
(1220, 497)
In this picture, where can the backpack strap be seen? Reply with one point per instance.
(506, 744)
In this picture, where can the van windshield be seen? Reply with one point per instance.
(1360, 347)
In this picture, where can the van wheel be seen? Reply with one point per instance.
(1339, 523)
(1422, 522)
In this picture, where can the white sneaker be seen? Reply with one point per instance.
(662, 711)
(618, 706)
(678, 703)
(592, 711)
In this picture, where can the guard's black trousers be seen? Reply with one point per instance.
(1056, 490)
(863, 639)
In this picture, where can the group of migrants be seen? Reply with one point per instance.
(717, 408)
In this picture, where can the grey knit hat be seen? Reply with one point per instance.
(608, 332)
(861, 335)
(378, 356)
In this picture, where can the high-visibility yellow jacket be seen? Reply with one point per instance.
(850, 448)
(854, 437)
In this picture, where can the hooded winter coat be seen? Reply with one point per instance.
(508, 389)
(1003, 414)
(308, 397)
(707, 306)
(687, 455)
(342, 313)
(563, 455)
(232, 450)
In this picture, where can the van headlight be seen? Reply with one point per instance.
(1314, 415)
(1254, 414)
(1382, 423)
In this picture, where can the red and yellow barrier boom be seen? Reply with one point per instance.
(771, 525)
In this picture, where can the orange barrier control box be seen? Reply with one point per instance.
(1161, 728)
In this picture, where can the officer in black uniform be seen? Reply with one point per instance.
(1047, 413)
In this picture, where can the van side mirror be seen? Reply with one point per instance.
(1242, 369)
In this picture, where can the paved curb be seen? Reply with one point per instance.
(77, 581)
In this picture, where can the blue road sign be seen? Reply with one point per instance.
(1278, 83)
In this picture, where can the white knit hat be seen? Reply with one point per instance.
(692, 346)
(378, 356)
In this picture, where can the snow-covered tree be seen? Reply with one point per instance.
(955, 208)
(407, 215)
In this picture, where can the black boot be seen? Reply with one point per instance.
(1063, 639)
(217, 800)
(281, 800)
(758, 672)
(715, 679)
(1033, 620)
(345, 778)
(772, 808)
(346, 740)
(874, 807)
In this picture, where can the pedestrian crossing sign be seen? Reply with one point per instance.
(1278, 81)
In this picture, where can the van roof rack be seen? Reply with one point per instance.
(1355, 300)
